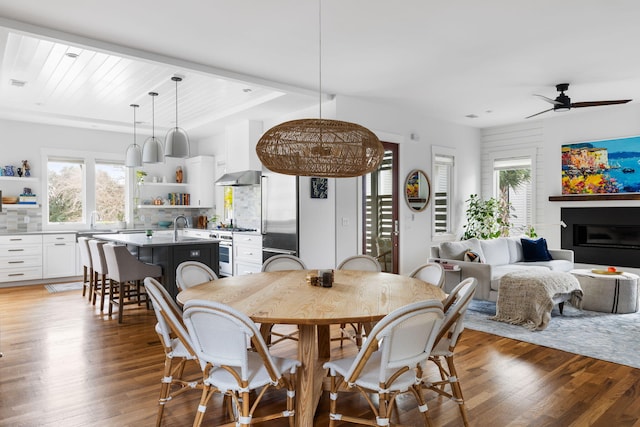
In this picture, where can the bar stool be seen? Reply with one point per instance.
(99, 264)
(87, 267)
(126, 270)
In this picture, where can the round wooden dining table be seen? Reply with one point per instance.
(285, 297)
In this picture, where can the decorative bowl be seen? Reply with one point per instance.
(164, 224)
(9, 200)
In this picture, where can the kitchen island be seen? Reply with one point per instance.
(163, 250)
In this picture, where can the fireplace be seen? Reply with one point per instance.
(603, 236)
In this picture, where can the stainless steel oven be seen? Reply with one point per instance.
(225, 253)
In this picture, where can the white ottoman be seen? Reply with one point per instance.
(609, 293)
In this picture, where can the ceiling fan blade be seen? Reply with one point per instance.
(537, 114)
(549, 100)
(598, 103)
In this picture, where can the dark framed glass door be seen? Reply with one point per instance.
(380, 211)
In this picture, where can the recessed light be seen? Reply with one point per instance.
(17, 83)
(471, 116)
(247, 90)
(72, 55)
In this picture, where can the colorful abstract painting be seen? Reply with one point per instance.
(601, 167)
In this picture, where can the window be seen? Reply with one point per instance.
(79, 184)
(65, 190)
(110, 187)
(442, 189)
(512, 185)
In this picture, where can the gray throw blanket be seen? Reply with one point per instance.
(526, 298)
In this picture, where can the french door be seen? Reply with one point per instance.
(380, 211)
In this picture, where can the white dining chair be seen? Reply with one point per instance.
(357, 263)
(233, 368)
(444, 347)
(388, 363)
(431, 272)
(191, 273)
(281, 262)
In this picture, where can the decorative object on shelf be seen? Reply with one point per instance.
(133, 156)
(319, 188)
(20, 172)
(320, 147)
(26, 168)
(140, 174)
(152, 148)
(27, 198)
(9, 200)
(176, 143)
(179, 175)
(8, 171)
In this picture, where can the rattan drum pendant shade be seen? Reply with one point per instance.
(320, 147)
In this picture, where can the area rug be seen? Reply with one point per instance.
(611, 337)
(64, 287)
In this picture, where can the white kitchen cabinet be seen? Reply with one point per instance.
(20, 257)
(247, 253)
(59, 255)
(200, 175)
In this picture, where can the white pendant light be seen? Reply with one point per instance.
(176, 143)
(133, 157)
(152, 149)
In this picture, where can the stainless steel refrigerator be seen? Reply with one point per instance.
(279, 222)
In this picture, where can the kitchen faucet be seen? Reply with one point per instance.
(175, 226)
(94, 218)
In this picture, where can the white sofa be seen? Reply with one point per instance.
(498, 257)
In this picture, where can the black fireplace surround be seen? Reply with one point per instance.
(602, 236)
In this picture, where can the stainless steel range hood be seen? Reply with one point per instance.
(240, 178)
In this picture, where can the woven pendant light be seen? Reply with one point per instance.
(176, 143)
(152, 149)
(133, 157)
(320, 147)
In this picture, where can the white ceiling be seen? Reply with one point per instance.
(445, 59)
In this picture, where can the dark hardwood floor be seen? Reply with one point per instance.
(66, 364)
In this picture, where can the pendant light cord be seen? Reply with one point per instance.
(176, 80)
(320, 57)
(153, 114)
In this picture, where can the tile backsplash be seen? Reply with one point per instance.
(20, 220)
(246, 206)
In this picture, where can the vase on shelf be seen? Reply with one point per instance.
(136, 193)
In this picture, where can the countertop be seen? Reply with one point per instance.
(141, 240)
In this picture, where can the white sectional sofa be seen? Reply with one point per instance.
(497, 257)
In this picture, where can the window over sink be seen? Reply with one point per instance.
(85, 187)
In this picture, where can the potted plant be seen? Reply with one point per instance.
(486, 219)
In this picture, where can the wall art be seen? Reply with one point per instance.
(601, 167)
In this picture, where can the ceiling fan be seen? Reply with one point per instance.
(563, 102)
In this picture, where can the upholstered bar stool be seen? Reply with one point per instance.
(100, 271)
(126, 274)
(87, 266)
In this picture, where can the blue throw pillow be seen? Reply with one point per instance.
(535, 250)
